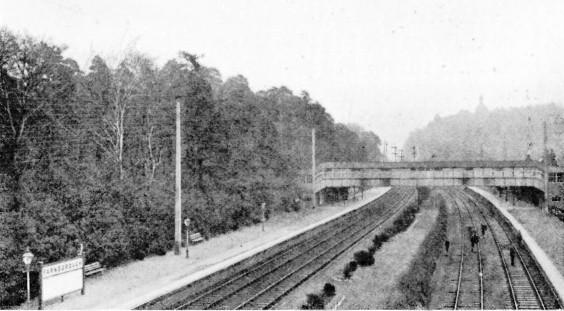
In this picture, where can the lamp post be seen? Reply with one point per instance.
(27, 258)
(187, 224)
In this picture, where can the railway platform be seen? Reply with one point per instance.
(541, 257)
(128, 286)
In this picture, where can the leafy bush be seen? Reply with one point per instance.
(347, 273)
(139, 254)
(364, 258)
(158, 249)
(380, 239)
(318, 301)
(403, 221)
(349, 269)
(314, 302)
(329, 289)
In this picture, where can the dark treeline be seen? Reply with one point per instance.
(88, 156)
(501, 134)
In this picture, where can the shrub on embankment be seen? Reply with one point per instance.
(318, 301)
(364, 258)
(415, 283)
(400, 224)
(350, 267)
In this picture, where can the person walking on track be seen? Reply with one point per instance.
(447, 245)
(474, 240)
(512, 255)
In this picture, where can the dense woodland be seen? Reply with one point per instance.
(87, 154)
(501, 134)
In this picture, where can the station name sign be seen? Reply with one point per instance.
(62, 267)
(60, 278)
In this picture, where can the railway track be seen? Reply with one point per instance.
(265, 283)
(526, 285)
(468, 284)
(472, 292)
(265, 291)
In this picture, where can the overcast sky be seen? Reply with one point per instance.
(389, 66)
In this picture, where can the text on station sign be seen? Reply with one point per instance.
(62, 267)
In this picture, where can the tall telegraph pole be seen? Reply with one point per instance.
(545, 162)
(385, 152)
(177, 197)
(313, 167)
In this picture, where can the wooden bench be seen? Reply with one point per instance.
(196, 237)
(93, 268)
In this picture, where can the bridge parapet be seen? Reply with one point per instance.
(451, 173)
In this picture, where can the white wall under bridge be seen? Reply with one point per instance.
(440, 174)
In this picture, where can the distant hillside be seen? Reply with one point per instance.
(501, 134)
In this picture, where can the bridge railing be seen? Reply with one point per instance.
(413, 173)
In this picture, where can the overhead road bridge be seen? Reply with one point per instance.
(333, 177)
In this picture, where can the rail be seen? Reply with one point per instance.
(509, 275)
(456, 304)
(480, 261)
(367, 228)
(213, 296)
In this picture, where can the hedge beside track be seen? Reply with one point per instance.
(400, 224)
(415, 284)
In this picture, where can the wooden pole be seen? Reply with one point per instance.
(177, 197)
(313, 167)
(40, 307)
(545, 203)
(545, 162)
